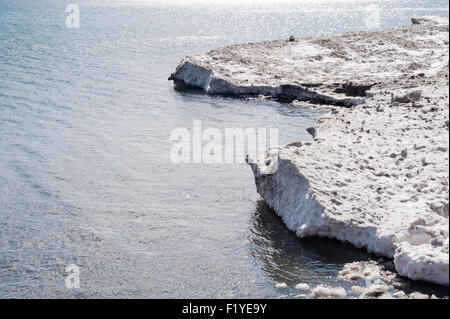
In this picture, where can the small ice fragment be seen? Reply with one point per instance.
(400, 295)
(328, 292)
(418, 295)
(302, 287)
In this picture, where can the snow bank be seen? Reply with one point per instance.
(376, 174)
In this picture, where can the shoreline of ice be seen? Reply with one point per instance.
(376, 174)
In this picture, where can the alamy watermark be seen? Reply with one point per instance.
(373, 17)
(73, 19)
(73, 279)
(215, 146)
(374, 278)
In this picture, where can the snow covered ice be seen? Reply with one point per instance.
(376, 174)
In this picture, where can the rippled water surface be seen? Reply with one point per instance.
(85, 170)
